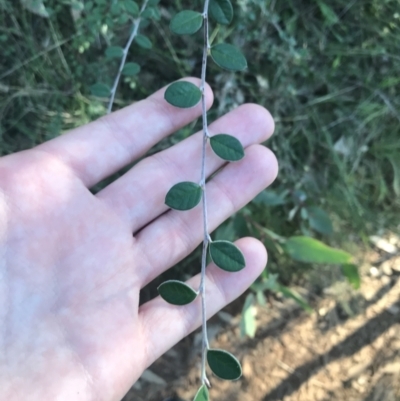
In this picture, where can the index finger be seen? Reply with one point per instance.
(101, 148)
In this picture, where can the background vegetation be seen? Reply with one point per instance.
(328, 70)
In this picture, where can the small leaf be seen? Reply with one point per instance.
(143, 41)
(184, 196)
(183, 94)
(319, 220)
(177, 293)
(115, 8)
(350, 271)
(114, 52)
(248, 324)
(227, 147)
(223, 364)
(100, 90)
(261, 298)
(270, 197)
(131, 7)
(227, 256)
(202, 394)
(151, 13)
(36, 6)
(221, 11)
(131, 69)
(288, 293)
(328, 13)
(306, 249)
(229, 57)
(186, 22)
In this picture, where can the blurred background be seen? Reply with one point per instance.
(323, 321)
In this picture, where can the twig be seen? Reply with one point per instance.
(206, 240)
(135, 28)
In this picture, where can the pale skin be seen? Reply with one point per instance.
(72, 263)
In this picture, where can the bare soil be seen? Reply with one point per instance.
(348, 349)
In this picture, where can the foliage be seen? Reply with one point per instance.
(186, 195)
(326, 69)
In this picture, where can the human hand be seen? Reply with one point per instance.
(72, 263)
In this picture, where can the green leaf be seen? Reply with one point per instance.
(151, 13)
(202, 394)
(227, 147)
(221, 11)
(177, 293)
(184, 196)
(288, 293)
(115, 8)
(229, 57)
(36, 6)
(270, 197)
(131, 7)
(143, 41)
(328, 13)
(261, 298)
(183, 94)
(248, 324)
(306, 249)
(223, 364)
(319, 220)
(227, 256)
(153, 2)
(100, 90)
(270, 283)
(350, 271)
(186, 22)
(114, 52)
(131, 69)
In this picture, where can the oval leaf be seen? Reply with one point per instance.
(186, 22)
(229, 57)
(227, 256)
(319, 220)
(183, 94)
(202, 394)
(221, 11)
(131, 7)
(350, 271)
(100, 90)
(223, 364)
(131, 69)
(114, 52)
(184, 196)
(306, 249)
(143, 41)
(227, 147)
(177, 293)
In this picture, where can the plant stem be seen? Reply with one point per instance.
(135, 28)
(206, 240)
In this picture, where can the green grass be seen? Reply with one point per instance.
(328, 70)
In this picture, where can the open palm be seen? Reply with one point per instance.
(72, 263)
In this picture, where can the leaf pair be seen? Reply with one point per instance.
(226, 255)
(189, 22)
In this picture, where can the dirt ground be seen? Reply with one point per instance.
(348, 349)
